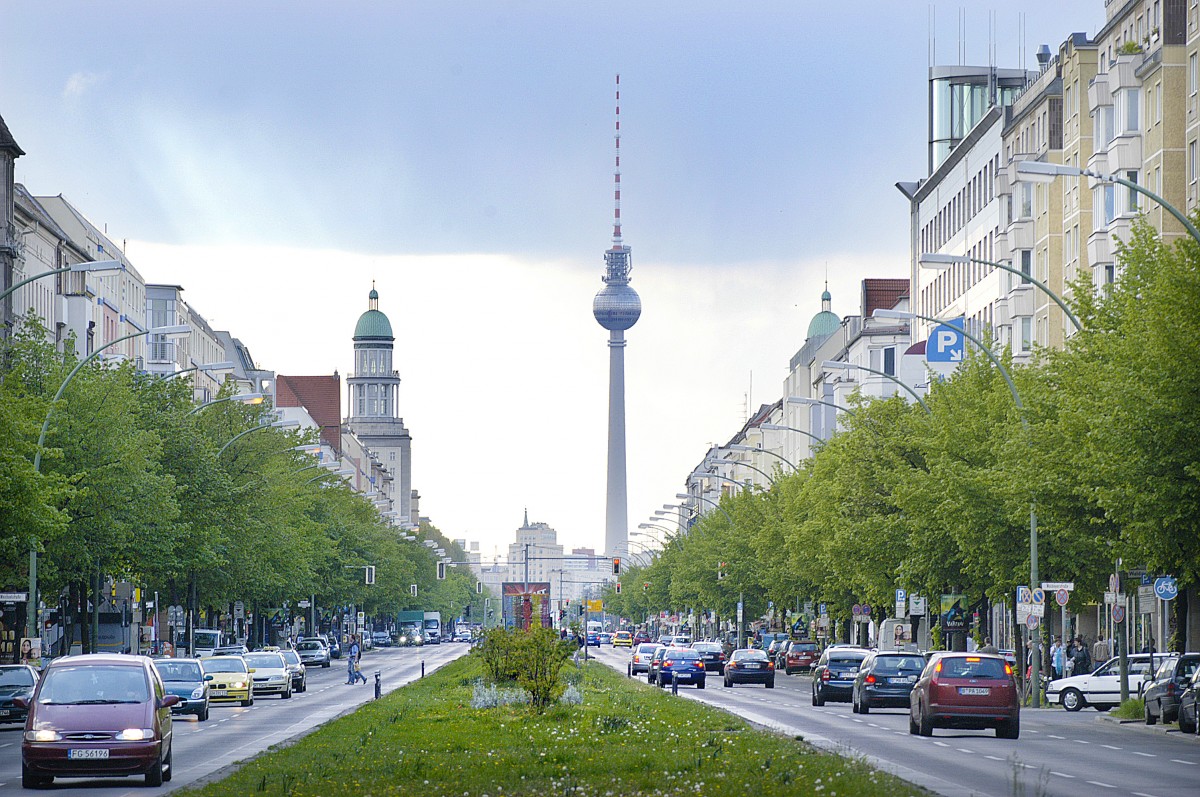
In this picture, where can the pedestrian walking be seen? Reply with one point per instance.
(1101, 651)
(352, 666)
(988, 647)
(1057, 657)
(1081, 662)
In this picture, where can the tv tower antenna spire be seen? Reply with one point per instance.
(617, 172)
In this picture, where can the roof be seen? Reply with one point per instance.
(882, 293)
(373, 324)
(823, 324)
(321, 396)
(7, 142)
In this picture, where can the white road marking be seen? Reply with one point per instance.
(1112, 747)
(965, 750)
(941, 744)
(1143, 794)
(994, 757)
(1061, 774)
(1052, 736)
(1080, 741)
(1181, 761)
(1103, 785)
(1146, 755)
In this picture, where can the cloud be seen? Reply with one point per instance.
(79, 83)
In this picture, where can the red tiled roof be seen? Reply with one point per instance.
(882, 293)
(321, 396)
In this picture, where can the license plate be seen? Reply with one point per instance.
(753, 666)
(897, 680)
(4, 712)
(217, 693)
(974, 690)
(89, 753)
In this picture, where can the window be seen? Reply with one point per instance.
(889, 361)
(1026, 333)
(1026, 265)
(1193, 74)
(1191, 161)
(1131, 109)
(1132, 201)
(1026, 200)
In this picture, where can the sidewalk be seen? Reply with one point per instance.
(1160, 727)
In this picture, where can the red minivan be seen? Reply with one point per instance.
(965, 690)
(98, 716)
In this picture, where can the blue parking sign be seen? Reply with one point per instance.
(946, 343)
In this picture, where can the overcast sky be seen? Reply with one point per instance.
(276, 157)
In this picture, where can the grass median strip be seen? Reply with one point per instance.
(626, 738)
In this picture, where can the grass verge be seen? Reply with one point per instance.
(626, 738)
(1131, 709)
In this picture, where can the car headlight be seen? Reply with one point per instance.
(198, 693)
(43, 736)
(135, 735)
(238, 685)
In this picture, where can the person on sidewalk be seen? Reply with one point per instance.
(352, 656)
(988, 647)
(358, 667)
(1100, 651)
(1057, 658)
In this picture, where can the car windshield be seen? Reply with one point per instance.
(806, 646)
(706, 647)
(646, 648)
(310, 645)
(179, 670)
(682, 654)
(898, 664)
(749, 655)
(290, 657)
(229, 664)
(972, 667)
(845, 661)
(263, 661)
(94, 683)
(16, 676)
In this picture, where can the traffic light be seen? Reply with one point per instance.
(645, 586)
(478, 587)
(467, 612)
(412, 588)
(616, 565)
(618, 587)
(369, 574)
(581, 610)
(441, 571)
(721, 570)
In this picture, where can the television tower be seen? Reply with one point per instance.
(617, 307)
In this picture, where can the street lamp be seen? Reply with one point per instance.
(245, 398)
(207, 368)
(1042, 172)
(705, 475)
(707, 501)
(771, 427)
(738, 447)
(835, 364)
(941, 262)
(342, 473)
(176, 331)
(720, 462)
(102, 268)
(1033, 533)
(813, 401)
(259, 428)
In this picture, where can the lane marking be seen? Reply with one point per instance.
(964, 750)
(1052, 736)
(1146, 755)
(1112, 747)
(1061, 774)
(1143, 794)
(994, 757)
(1080, 741)
(1181, 761)
(941, 744)
(1103, 785)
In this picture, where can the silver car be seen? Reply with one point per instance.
(313, 653)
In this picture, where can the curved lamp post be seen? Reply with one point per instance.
(739, 447)
(841, 366)
(699, 474)
(245, 398)
(206, 367)
(812, 401)
(175, 331)
(272, 425)
(774, 427)
(708, 501)
(719, 462)
(942, 262)
(1033, 533)
(1042, 172)
(103, 268)
(343, 473)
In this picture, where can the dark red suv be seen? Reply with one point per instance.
(801, 656)
(960, 690)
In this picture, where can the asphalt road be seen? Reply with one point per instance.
(234, 734)
(1059, 753)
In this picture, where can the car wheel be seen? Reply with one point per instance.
(169, 769)
(700, 684)
(1072, 700)
(728, 684)
(818, 698)
(248, 702)
(32, 781)
(1150, 718)
(912, 723)
(1186, 726)
(304, 684)
(771, 684)
(853, 704)
(154, 775)
(925, 725)
(1010, 729)
(202, 714)
(325, 665)
(863, 706)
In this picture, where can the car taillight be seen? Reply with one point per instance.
(1171, 689)
(1007, 669)
(770, 665)
(825, 675)
(731, 666)
(870, 679)
(668, 663)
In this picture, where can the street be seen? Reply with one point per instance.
(1059, 753)
(234, 734)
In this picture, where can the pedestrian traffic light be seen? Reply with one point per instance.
(369, 574)
(721, 570)
(616, 565)
(441, 571)
(478, 587)
(412, 588)
(645, 586)
(618, 587)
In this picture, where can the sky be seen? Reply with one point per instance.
(277, 158)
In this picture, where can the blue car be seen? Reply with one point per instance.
(185, 678)
(593, 640)
(683, 665)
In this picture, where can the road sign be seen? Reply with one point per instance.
(1032, 621)
(14, 597)
(946, 343)
(1024, 595)
(1039, 595)
(916, 605)
(595, 605)
(1146, 580)
(1118, 613)
(239, 611)
(823, 610)
(1055, 586)
(1037, 609)
(856, 610)
(741, 611)
(866, 610)
(1146, 598)
(1114, 583)
(1166, 588)
(901, 595)
(1062, 597)
(304, 604)
(900, 607)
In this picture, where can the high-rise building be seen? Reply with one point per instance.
(617, 307)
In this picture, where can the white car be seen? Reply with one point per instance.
(270, 672)
(1100, 689)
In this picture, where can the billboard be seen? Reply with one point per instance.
(953, 614)
(526, 604)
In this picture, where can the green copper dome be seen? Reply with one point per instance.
(373, 323)
(826, 322)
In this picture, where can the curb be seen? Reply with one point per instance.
(1160, 727)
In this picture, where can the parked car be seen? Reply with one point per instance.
(1161, 696)
(641, 658)
(655, 661)
(622, 639)
(765, 639)
(1188, 720)
(98, 715)
(749, 666)
(228, 679)
(884, 680)
(16, 680)
(833, 677)
(270, 674)
(313, 652)
(185, 678)
(296, 670)
(712, 654)
(801, 655)
(681, 665)
(1101, 688)
(958, 690)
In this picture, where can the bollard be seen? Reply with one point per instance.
(629, 670)
(674, 683)
(378, 686)
(422, 668)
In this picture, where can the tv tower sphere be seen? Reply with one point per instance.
(617, 307)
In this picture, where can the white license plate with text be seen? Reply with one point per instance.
(89, 753)
(974, 690)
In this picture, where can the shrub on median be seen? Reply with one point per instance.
(533, 660)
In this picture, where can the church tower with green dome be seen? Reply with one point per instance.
(374, 394)
(826, 322)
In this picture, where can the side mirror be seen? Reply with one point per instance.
(21, 702)
(168, 700)
(250, 670)
(208, 677)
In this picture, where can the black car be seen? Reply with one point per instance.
(833, 677)
(713, 656)
(750, 666)
(885, 680)
(1188, 720)
(1162, 694)
(655, 661)
(16, 680)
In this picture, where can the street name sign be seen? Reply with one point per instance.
(1055, 586)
